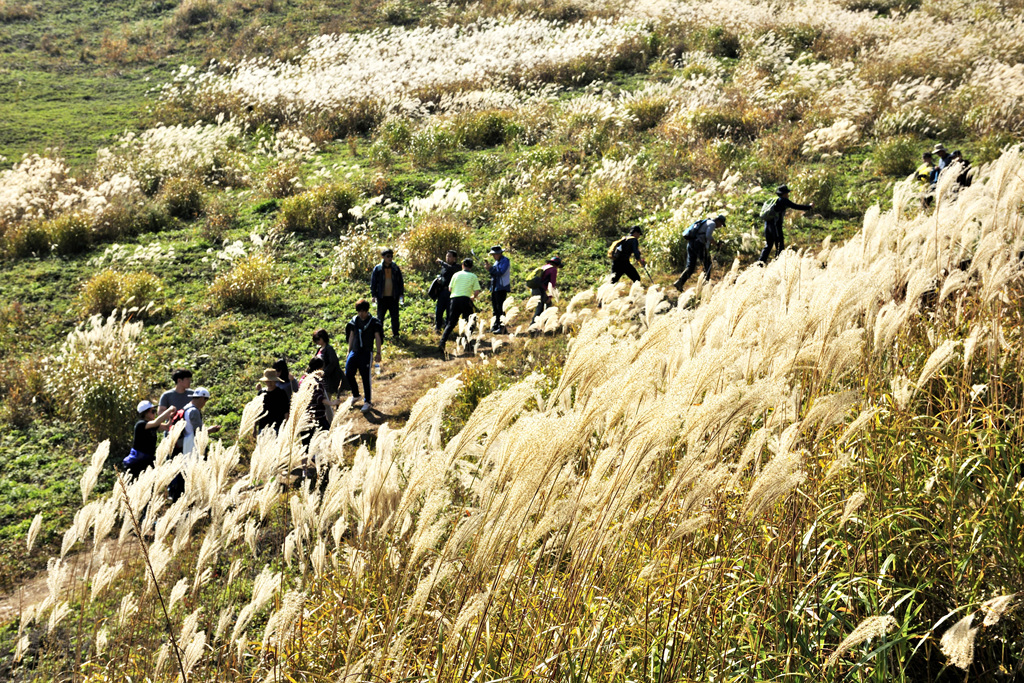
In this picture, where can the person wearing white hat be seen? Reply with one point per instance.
(143, 451)
(193, 417)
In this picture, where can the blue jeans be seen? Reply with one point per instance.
(356, 362)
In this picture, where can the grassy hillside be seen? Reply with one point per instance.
(248, 199)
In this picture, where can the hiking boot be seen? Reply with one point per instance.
(679, 284)
(367, 407)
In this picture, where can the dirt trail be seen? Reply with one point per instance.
(401, 383)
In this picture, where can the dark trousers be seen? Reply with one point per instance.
(620, 268)
(697, 254)
(358, 363)
(385, 305)
(460, 307)
(774, 238)
(497, 304)
(441, 310)
(545, 301)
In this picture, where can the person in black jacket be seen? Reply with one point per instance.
(622, 250)
(276, 401)
(331, 366)
(387, 289)
(449, 267)
(773, 222)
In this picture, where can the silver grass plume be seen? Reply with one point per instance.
(995, 608)
(59, 613)
(779, 477)
(852, 505)
(92, 473)
(177, 593)
(872, 627)
(282, 621)
(33, 531)
(129, 606)
(958, 642)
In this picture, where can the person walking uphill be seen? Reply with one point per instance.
(387, 288)
(326, 353)
(143, 452)
(363, 333)
(193, 417)
(181, 394)
(542, 281)
(501, 285)
(773, 212)
(622, 251)
(698, 241)
(464, 288)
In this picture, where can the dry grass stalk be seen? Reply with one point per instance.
(958, 642)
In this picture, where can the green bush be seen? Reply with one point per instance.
(282, 180)
(433, 146)
(431, 238)
(897, 156)
(394, 134)
(603, 210)
(25, 239)
(647, 111)
(111, 289)
(480, 130)
(816, 187)
(68, 234)
(250, 284)
(715, 40)
(528, 223)
(221, 216)
(318, 211)
(182, 197)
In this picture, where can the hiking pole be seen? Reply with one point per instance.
(648, 274)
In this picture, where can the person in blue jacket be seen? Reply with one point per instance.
(387, 289)
(501, 285)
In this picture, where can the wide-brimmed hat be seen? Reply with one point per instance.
(939, 147)
(496, 249)
(143, 406)
(201, 392)
(782, 189)
(270, 376)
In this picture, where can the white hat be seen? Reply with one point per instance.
(201, 392)
(143, 407)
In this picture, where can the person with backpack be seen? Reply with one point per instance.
(387, 289)
(332, 368)
(439, 287)
(622, 250)
(143, 452)
(192, 415)
(925, 177)
(501, 285)
(276, 401)
(363, 332)
(772, 213)
(542, 281)
(698, 241)
(181, 394)
(464, 287)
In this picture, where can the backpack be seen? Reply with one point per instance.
(768, 208)
(536, 278)
(435, 288)
(693, 231)
(615, 251)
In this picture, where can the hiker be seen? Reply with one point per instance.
(773, 211)
(326, 353)
(363, 332)
(143, 451)
(276, 401)
(621, 251)
(698, 241)
(285, 379)
(181, 394)
(501, 285)
(925, 177)
(542, 281)
(449, 266)
(193, 417)
(387, 289)
(963, 178)
(320, 406)
(464, 287)
(945, 160)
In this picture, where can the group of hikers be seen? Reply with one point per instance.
(454, 291)
(927, 174)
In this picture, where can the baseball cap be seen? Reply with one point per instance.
(201, 392)
(143, 406)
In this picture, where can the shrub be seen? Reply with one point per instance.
(717, 41)
(395, 134)
(479, 130)
(97, 376)
(816, 187)
(250, 284)
(431, 238)
(282, 180)
(320, 210)
(11, 12)
(603, 210)
(111, 289)
(183, 197)
(647, 111)
(25, 239)
(528, 223)
(68, 234)
(897, 156)
(433, 146)
(355, 256)
(22, 392)
(221, 217)
(191, 13)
